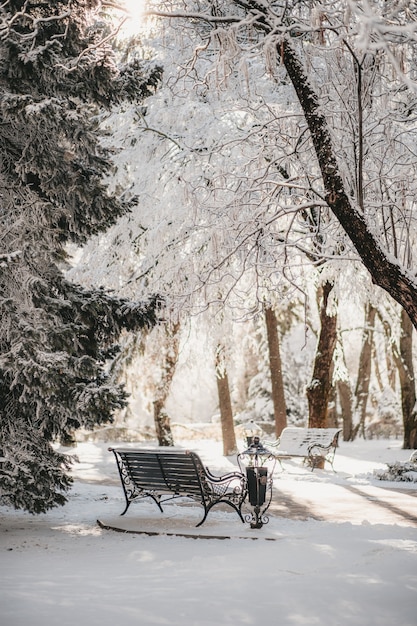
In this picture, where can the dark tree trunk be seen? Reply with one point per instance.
(275, 366)
(225, 405)
(364, 371)
(407, 381)
(331, 420)
(318, 391)
(345, 399)
(403, 358)
(385, 273)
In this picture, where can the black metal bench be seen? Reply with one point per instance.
(165, 475)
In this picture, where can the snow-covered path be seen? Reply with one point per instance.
(358, 569)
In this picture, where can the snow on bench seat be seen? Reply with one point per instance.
(312, 444)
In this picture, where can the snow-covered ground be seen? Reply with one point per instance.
(355, 565)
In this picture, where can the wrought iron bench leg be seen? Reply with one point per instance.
(145, 495)
(212, 504)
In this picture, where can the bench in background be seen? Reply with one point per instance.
(311, 444)
(165, 475)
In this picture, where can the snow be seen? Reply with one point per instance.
(340, 549)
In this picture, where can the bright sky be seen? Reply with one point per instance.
(135, 10)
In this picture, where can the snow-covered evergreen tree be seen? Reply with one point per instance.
(57, 75)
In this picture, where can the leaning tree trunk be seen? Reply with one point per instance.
(275, 366)
(225, 405)
(364, 372)
(407, 381)
(386, 273)
(318, 391)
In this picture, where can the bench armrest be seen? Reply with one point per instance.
(273, 444)
(230, 483)
(321, 447)
(225, 477)
(316, 450)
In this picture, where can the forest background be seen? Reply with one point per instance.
(239, 176)
(233, 235)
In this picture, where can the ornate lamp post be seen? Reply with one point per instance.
(259, 480)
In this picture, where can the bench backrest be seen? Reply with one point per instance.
(179, 472)
(298, 440)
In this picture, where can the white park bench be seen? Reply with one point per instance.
(311, 444)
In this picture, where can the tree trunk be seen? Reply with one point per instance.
(162, 424)
(275, 365)
(403, 358)
(344, 395)
(385, 273)
(364, 371)
(318, 391)
(331, 419)
(169, 357)
(345, 399)
(225, 405)
(407, 381)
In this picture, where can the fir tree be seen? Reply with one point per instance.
(57, 76)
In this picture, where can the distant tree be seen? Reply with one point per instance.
(57, 74)
(319, 388)
(402, 352)
(225, 404)
(165, 358)
(275, 366)
(364, 370)
(407, 382)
